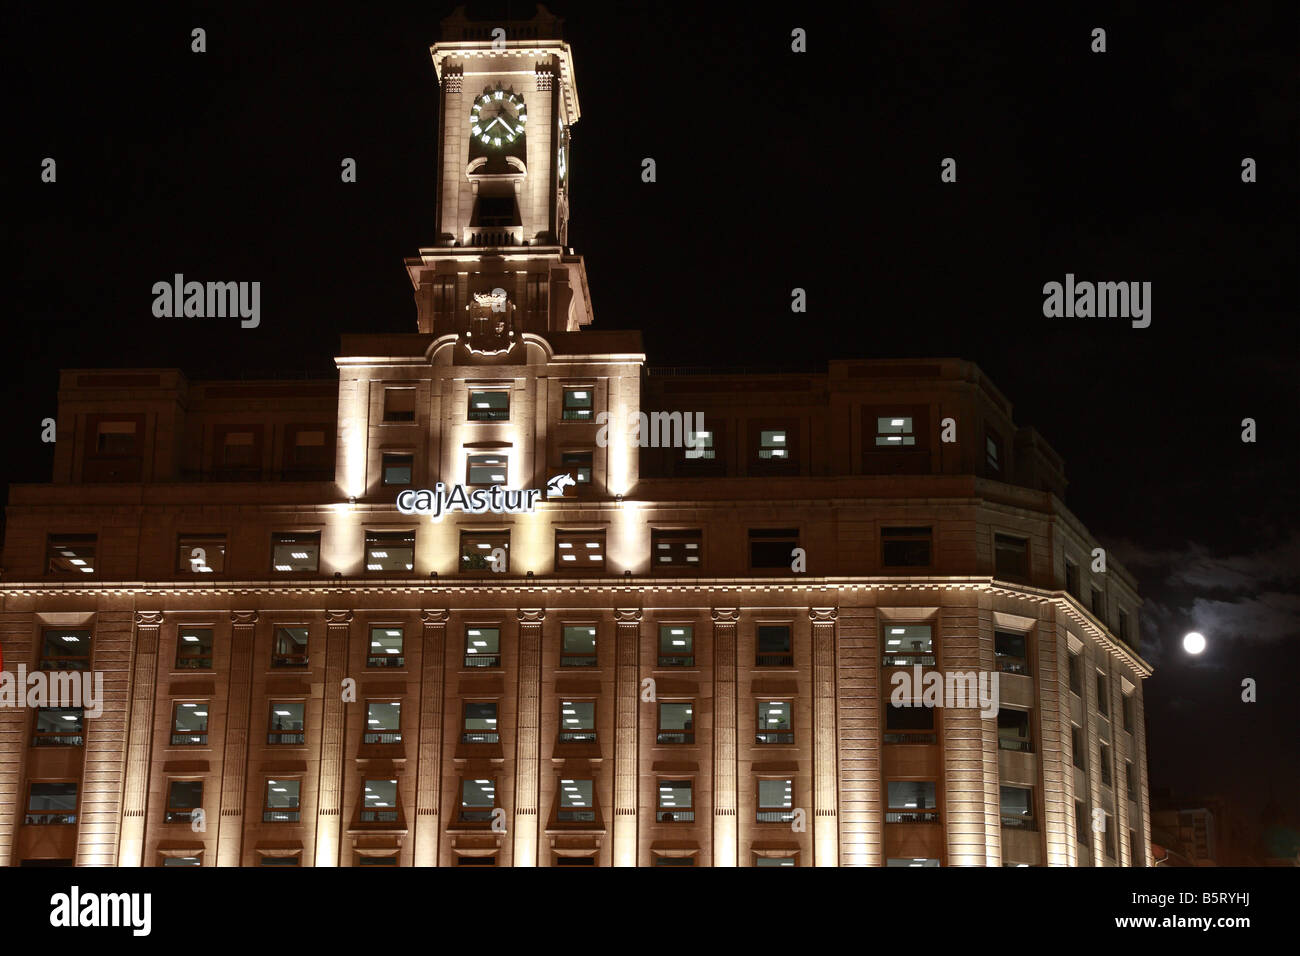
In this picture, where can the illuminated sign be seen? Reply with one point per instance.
(476, 501)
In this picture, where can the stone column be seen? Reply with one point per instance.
(429, 767)
(726, 836)
(139, 738)
(826, 837)
(329, 791)
(234, 764)
(528, 735)
(627, 698)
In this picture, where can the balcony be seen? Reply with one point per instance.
(69, 739)
(189, 740)
(912, 816)
(276, 737)
(674, 816)
(577, 736)
(774, 737)
(480, 737)
(482, 660)
(381, 737)
(675, 737)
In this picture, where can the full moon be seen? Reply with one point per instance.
(1194, 642)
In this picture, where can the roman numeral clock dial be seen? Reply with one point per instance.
(498, 118)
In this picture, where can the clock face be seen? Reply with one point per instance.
(498, 118)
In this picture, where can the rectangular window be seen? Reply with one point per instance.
(391, 552)
(289, 647)
(480, 723)
(908, 644)
(70, 553)
(478, 798)
(576, 802)
(905, 547)
(1103, 695)
(183, 798)
(59, 727)
(676, 802)
(239, 451)
(577, 464)
(1135, 856)
(295, 552)
(285, 725)
(308, 454)
(1076, 673)
(676, 549)
(773, 444)
(383, 722)
(181, 861)
(1011, 557)
(399, 404)
(993, 453)
(774, 861)
(387, 646)
(580, 550)
(65, 650)
(282, 803)
(488, 469)
(774, 722)
(575, 861)
(292, 860)
(1130, 780)
(485, 551)
(194, 649)
(676, 722)
(476, 860)
(1081, 822)
(918, 862)
(1126, 702)
(190, 724)
(912, 801)
(578, 646)
(895, 431)
(706, 447)
(1106, 779)
(1009, 652)
(775, 801)
(51, 804)
(397, 468)
(201, 554)
(1098, 604)
(1014, 731)
(675, 860)
(482, 646)
(1109, 841)
(774, 646)
(676, 645)
(577, 405)
(489, 406)
(116, 438)
(1123, 625)
(377, 860)
(1072, 580)
(577, 721)
(909, 725)
(380, 801)
(772, 548)
(1018, 808)
(1079, 747)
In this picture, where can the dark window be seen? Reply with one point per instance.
(1110, 838)
(578, 645)
(1081, 822)
(1126, 701)
(774, 722)
(377, 860)
(480, 723)
(1018, 808)
(190, 724)
(71, 554)
(1106, 779)
(50, 804)
(576, 802)
(676, 549)
(1009, 652)
(309, 452)
(1072, 579)
(482, 646)
(282, 807)
(1130, 781)
(675, 860)
(289, 647)
(676, 645)
(907, 547)
(1076, 673)
(476, 860)
(1079, 747)
(771, 548)
(295, 552)
(993, 453)
(119, 438)
(775, 801)
(194, 649)
(1135, 855)
(391, 552)
(59, 727)
(397, 467)
(399, 404)
(577, 404)
(294, 860)
(387, 646)
(580, 550)
(65, 650)
(183, 798)
(577, 464)
(908, 644)
(485, 551)
(380, 801)
(1123, 625)
(239, 451)
(182, 861)
(1011, 557)
(774, 646)
(675, 805)
(575, 861)
(911, 801)
(1103, 696)
(383, 722)
(1098, 604)
(676, 722)
(286, 723)
(1014, 731)
(487, 469)
(909, 725)
(201, 554)
(489, 406)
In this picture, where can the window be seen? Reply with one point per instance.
(676, 804)
(577, 464)
(65, 650)
(774, 861)
(905, 547)
(480, 723)
(183, 798)
(399, 404)
(773, 444)
(478, 798)
(1123, 625)
(675, 860)
(676, 645)
(1011, 557)
(1076, 673)
(50, 804)
(383, 722)
(1126, 703)
(772, 547)
(190, 724)
(908, 644)
(380, 805)
(909, 725)
(774, 725)
(289, 647)
(676, 722)
(1103, 695)
(294, 859)
(368, 860)
(397, 467)
(485, 551)
(1106, 779)
(308, 454)
(1109, 834)
(201, 554)
(1072, 579)
(1135, 856)
(482, 646)
(116, 438)
(580, 550)
(386, 647)
(1009, 652)
(912, 801)
(578, 646)
(577, 802)
(1081, 822)
(390, 551)
(1098, 604)
(476, 860)
(1079, 747)
(1130, 781)
(912, 861)
(1018, 808)
(577, 405)
(71, 554)
(705, 446)
(282, 804)
(59, 727)
(993, 453)
(181, 861)
(239, 451)
(774, 646)
(1014, 731)
(295, 552)
(575, 861)
(895, 431)
(775, 801)
(194, 649)
(577, 721)
(489, 469)
(676, 549)
(489, 406)
(286, 723)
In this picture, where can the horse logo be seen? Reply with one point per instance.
(555, 487)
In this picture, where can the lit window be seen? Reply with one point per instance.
(368, 860)
(775, 801)
(379, 801)
(906, 547)
(480, 723)
(493, 406)
(482, 646)
(183, 798)
(676, 805)
(912, 861)
(59, 727)
(190, 723)
(676, 645)
(285, 725)
(1014, 730)
(295, 552)
(383, 723)
(71, 554)
(912, 801)
(194, 649)
(580, 550)
(577, 721)
(485, 551)
(386, 647)
(774, 861)
(676, 722)
(397, 468)
(908, 644)
(773, 444)
(1009, 652)
(201, 554)
(894, 431)
(576, 801)
(487, 469)
(705, 442)
(478, 798)
(181, 861)
(774, 725)
(578, 646)
(51, 804)
(399, 404)
(65, 650)
(677, 549)
(282, 804)
(577, 404)
(391, 552)
(289, 647)
(577, 464)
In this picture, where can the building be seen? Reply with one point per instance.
(682, 653)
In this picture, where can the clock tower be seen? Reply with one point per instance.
(507, 102)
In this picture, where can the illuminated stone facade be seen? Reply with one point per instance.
(231, 557)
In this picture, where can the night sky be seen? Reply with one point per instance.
(775, 170)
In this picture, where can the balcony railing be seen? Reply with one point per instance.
(482, 660)
(576, 816)
(194, 663)
(179, 816)
(779, 659)
(577, 736)
(1016, 822)
(674, 816)
(378, 816)
(577, 660)
(489, 414)
(1021, 744)
(908, 659)
(676, 660)
(286, 737)
(65, 664)
(475, 816)
(774, 737)
(48, 818)
(909, 737)
(480, 737)
(288, 660)
(1011, 665)
(381, 737)
(386, 660)
(281, 816)
(912, 816)
(60, 739)
(676, 737)
(775, 816)
(189, 740)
